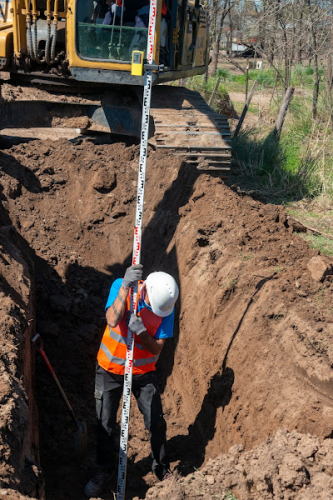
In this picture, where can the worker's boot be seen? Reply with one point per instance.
(162, 473)
(99, 482)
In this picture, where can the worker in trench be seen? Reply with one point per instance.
(152, 324)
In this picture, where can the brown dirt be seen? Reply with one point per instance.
(251, 360)
(16, 92)
(289, 465)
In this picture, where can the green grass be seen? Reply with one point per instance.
(224, 74)
(317, 219)
(321, 243)
(257, 158)
(229, 496)
(283, 171)
(304, 153)
(292, 150)
(196, 83)
(264, 77)
(300, 116)
(301, 76)
(321, 219)
(300, 165)
(239, 106)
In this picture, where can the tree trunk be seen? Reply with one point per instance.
(315, 75)
(216, 49)
(286, 58)
(212, 97)
(329, 83)
(215, 57)
(329, 79)
(216, 41)
(315, 87)
(231, 27)
(247, 81)
(282, 112)
(246, 107)
(300, 29)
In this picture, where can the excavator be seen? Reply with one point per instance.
(88, 46)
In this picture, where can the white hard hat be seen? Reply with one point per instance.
(162, 292)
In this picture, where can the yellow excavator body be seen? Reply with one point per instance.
(92, 40)
(99, 47)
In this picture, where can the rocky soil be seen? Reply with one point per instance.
(247, 380)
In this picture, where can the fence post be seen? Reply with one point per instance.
(246, 107)
(282, 112)
(247, 81)
(212, 97)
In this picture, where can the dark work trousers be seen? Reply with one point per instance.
(108, 392)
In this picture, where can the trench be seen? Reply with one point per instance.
(72, 281)
(70, 319)
(72, 203)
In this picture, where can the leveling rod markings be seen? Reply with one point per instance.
(122, 467)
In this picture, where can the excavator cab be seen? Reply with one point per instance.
(106, 32)
(103, 34)
(112, 30)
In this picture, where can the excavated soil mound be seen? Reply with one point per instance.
(252, 351)
(290, 465)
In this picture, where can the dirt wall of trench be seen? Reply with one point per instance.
(19, 436)
(254, 325)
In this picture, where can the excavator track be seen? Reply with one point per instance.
(186, 125)
(181, 122)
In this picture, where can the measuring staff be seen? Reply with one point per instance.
(140, 316)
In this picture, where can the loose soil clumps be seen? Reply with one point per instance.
(250, 364)
(289, 465)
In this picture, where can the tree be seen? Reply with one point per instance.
(218, 11)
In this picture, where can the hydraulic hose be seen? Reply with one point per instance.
(121, 21)
(28, 26)
(48, 35)
(54, 31)
(122, 12)
(113, 25)
(34, 31)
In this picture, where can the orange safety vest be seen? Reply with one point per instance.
(112, 352)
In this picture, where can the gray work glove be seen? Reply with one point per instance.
(132, 275)
(135, 323)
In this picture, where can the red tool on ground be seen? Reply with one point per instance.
(80, 437)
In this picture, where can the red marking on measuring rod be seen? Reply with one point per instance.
(148, 84)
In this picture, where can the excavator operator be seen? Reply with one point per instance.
(152, 324)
